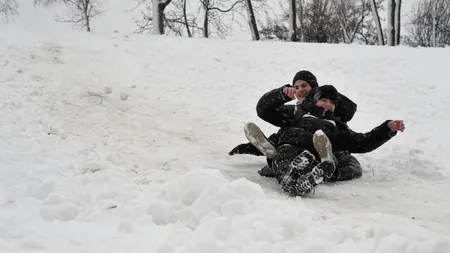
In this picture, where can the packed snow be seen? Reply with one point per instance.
(117, 143)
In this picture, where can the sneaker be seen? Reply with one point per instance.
(306, 183)
(259, 140)
(323, 146)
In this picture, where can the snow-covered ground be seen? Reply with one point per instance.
(111, 143)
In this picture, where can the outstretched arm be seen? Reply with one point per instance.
(367, 142)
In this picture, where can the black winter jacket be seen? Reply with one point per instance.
(281, 115)
(299, 127)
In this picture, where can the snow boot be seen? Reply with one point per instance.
(299, 166)
(306, 183)
(323, 146)
(259, 140)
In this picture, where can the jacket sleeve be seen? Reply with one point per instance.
(367, 142)
(271, 108)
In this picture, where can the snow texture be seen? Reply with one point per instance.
(84, 170)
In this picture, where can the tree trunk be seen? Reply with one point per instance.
(88, 24)
(292, 21)
(300, 21)
(161, 8)
(252, 20)
(397, 22)
(390, 23)
(158, 15)
(157, 18)
(433, 14)
(205, 23)
(86, 17)
(188, 30)
(376, 18)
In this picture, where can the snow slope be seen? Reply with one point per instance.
(145, 167)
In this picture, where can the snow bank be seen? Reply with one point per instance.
(84, 170)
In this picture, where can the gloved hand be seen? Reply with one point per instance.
(311, 107)
(321, 112)
(307, 104)
(245, 148)
(266, 171)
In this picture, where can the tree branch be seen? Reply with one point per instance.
(227, 10)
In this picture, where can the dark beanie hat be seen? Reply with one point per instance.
(325, 91)
(306, 76)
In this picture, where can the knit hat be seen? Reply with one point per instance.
(325, 91)
(306, 76)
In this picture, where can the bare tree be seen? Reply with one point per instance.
(429, 24)
(82, 11)
(328, 21)
(434, 14)
(178, 20)
(8, 8)
(274, 30)
(185, 18)
(292, 21)
(397, 21)
(351, 17)
(341, 22)
(158, 15)
(252, 20)
(376, 19)
(166, 18)
(320, 23)
(300, 21)
(211, 16)
(204, 18)
(390, 22)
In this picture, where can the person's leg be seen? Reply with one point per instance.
(250, 149)
(281, 163)
(347, 167)
(323, 171)
(289, 164)
(259, 140)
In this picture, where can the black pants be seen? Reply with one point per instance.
(283, 159)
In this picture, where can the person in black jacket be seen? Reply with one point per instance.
(348, 166)
(304, 157)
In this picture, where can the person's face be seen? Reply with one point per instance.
(326, 104)
(302, 88)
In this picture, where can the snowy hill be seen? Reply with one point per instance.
(113, 143)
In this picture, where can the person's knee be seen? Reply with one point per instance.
(283, 158)
(348, 168)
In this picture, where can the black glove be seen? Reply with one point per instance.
(266, 171)
(307, 104)
(320, 112)
(245, 148)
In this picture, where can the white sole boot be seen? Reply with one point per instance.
(256, 137)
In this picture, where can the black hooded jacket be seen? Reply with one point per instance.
(298, 126)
